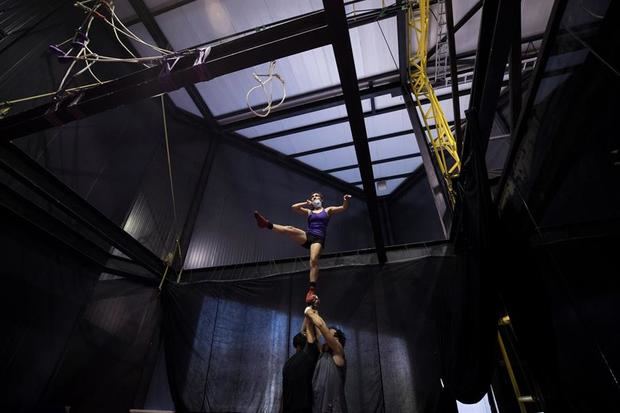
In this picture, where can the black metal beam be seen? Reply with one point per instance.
(498, 20)
(347, 144)
(356, 20)
(341, 43)
(379, 162)
(401, 189)
(165, 9)
(463, 56)
(181, 3)
(321, 99)
(15, 206)
(456, 104)
(515, 73)
(160, 39)
(435, 179)
(332, 96)
(387, 178)
(269, 44)
(203, 178)
(322, 124)
(466, 17)
(34, 176)
(29, 212)
(485, 37)
(518, 133)
(335, 121)
(306, 103)
(274, 156)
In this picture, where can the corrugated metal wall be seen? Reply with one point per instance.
(115, 160)
(413, 215)
(226, 232)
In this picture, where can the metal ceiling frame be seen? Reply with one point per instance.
(380, 161)
(351, 143)
(37, 179)
(315, 30)
(453, 70)
(332, 97)
(495, 41)
(341, 43)
(291, 109)
(165, 9)
(14, 205)
(312, 101)
(377, 112)
(271, 155)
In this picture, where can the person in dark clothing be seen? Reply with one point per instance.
(314, 237)
(298, 370)
(331, 369)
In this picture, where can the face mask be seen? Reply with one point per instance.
(316, 203)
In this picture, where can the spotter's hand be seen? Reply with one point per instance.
(309, 311)
(346, 197)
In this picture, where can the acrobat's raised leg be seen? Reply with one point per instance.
(297, 235)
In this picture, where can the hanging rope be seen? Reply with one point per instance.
(170, 257)
(174, 208)
(267, 87)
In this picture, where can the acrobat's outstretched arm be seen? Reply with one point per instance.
(338, 209)
(302, 207)
(332, 342)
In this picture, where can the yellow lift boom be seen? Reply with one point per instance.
(442, 140)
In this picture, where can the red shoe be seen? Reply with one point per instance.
(261, 221)
(312, 299)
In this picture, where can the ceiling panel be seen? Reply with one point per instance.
(182, 100)
(311, 139)
(143, 34)
(389, 148)
(397, 167)
(349, 175)
(156, 4)
(387, 123)
(374, 54)
(333, 159)
(387, 101)
(390, 185)
(200, 22)
(534, 16)
(123, 9)
(466, 38)
(461, 7)
(304, 72)
(300, 120)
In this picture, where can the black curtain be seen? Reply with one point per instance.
(44, 291)
(467, 306)
(71, 339)
(111, 354)
(67, 338)
(226, 342)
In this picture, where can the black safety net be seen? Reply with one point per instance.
(468, 323)
(110, 356)
(226, 342)
(43, 294)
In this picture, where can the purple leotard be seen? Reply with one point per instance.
(317, 223)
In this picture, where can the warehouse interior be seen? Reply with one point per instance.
(474, 270)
